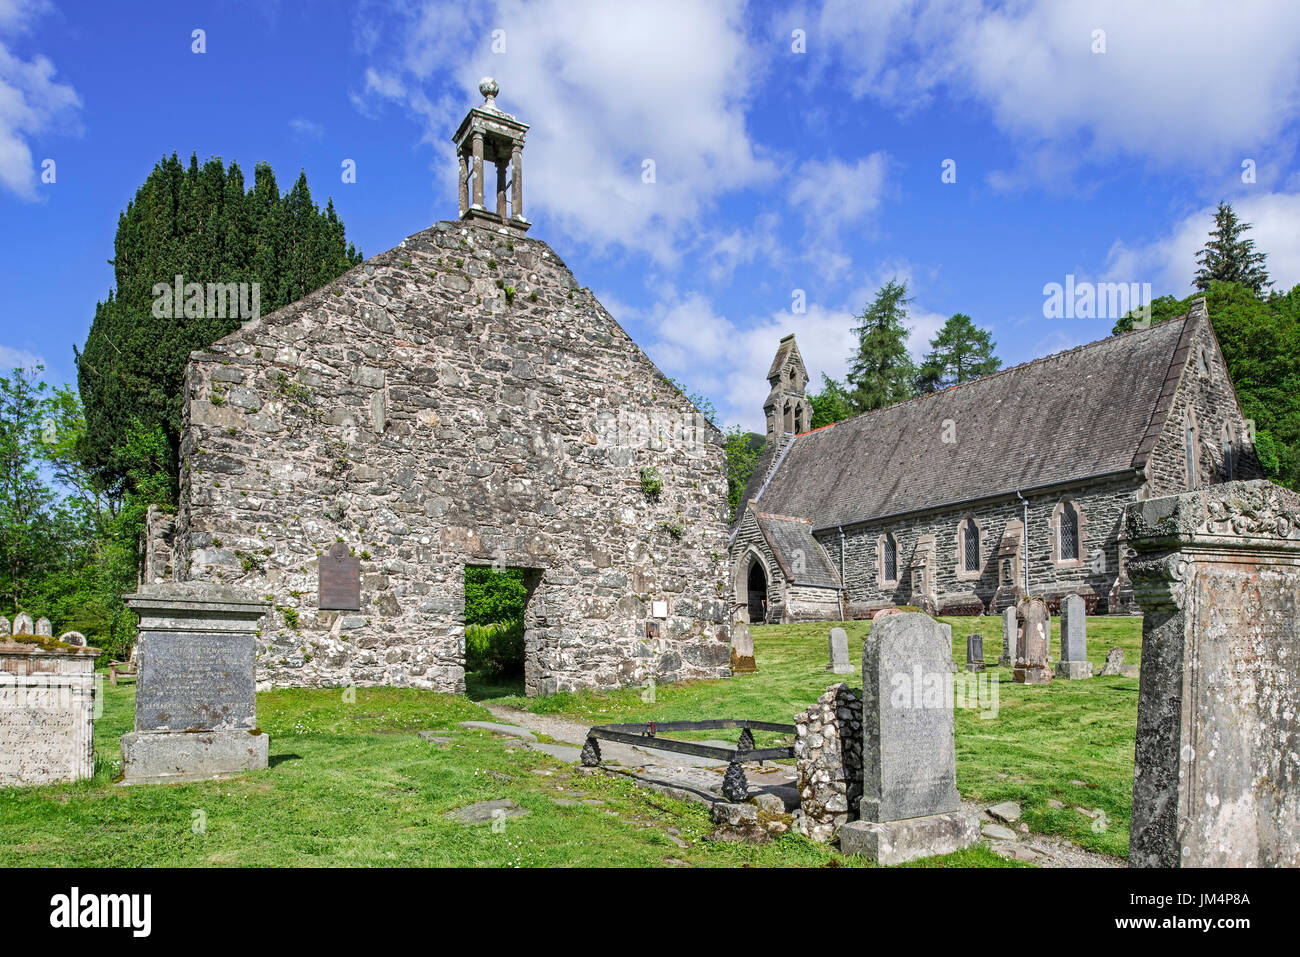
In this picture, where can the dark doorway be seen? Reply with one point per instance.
(756, 593)
(496, 629)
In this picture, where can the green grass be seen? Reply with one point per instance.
(1042, 738)
(353, 785)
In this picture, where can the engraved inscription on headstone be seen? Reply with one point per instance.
(192, 682)
(340, 580)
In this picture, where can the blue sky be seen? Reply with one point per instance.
(795, 147)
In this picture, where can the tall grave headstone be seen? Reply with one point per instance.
(910, 807)
(1032, 642)
(195, 707)
(1074, 662)
(974, 652)
(839, 644)
(1010, 631)
(1215, 780)
(742, 649)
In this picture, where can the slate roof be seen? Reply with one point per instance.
(1090, 411)
(790, 540)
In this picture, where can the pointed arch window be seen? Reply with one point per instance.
(888, 552)
(968, 548)
(1069, 532)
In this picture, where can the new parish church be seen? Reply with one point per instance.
(964, 500)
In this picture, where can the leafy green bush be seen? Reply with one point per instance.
(497, 649)
(492, 597)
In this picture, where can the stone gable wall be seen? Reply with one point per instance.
(1211, 396)
(749, 535)
(456, 400)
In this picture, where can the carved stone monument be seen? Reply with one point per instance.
(340, 580)
(195, 708)
(1215, 781)
(47, 711)
(1074, 663)
(910, 807)
(1032, 642)
(1010, 631)
(839, 644)
(974, 653)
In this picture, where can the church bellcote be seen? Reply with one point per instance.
(787, 408)
(489, 135)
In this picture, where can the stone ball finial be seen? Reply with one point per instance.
(489, 88)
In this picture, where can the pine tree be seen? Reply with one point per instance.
(200, 223)
(881, 372)
(960, 351)
(1228, 257)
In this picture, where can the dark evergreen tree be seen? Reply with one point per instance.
(197, 222)
(1229, 257)
(881, 372)
(960, 351)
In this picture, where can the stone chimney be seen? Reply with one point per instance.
(488, 135)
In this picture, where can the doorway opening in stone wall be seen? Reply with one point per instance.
(497, 628)
(756, 592)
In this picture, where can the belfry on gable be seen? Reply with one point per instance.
(787, 408)
(488, 135)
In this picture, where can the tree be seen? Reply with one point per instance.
(27, 526)
(881, 372)
(196, 222)
(832, 404)
(742, 456)
(960, 351)
(1228, 257)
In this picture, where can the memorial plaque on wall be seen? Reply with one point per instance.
(340, 580)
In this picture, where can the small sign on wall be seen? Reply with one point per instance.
(659, 609)
(340, 580)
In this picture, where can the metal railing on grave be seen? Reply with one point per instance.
(735, 787)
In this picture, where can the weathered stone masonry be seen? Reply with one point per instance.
(457, 400)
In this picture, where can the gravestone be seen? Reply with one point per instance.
(742, 649)
(47, 712)
(1114, 663)
(195, 706)
(1010, 631)
(4, 627)
(974, 653)
(839, 663)
(1074, 663)
(23, 623)
(910, 807)
(1217, 573)
(43, 628)
(1032, 642)
(74, 638)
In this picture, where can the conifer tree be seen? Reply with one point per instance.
(881, 372)
(960, 351)
(199, 222)
(1229, 257)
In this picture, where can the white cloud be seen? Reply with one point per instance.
(301, 126)
(11, 358)
(1181, 82)
(605, 87)
(1169, 262)
(728, 361)
(835, 197)
(32, 102)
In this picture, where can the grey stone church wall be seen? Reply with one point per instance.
(1101, 505)
(457, 400)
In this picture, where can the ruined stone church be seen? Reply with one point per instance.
(964, 500)
(458, 401)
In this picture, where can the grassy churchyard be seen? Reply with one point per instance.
(352, 784)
